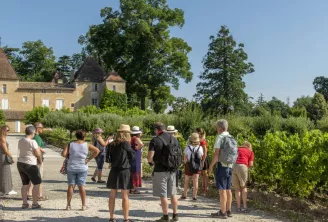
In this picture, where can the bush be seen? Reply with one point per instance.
(263, 124)
(35, 115)
(2, 118)
(113, 99)
(295, 125)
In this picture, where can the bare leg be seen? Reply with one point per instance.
(244, 194)
(174, 203)
(30, 187)
(205, 176)
(95, 173)
(237, 196)
(165, 205)
(35, 193)
(223, 200)
(83, 195)
(40, 191)
(229, 199)
(70, 191)
(99, 174)
(186, 186)
(195, 185)
(24, 191)
(111, 203)
(125, 204)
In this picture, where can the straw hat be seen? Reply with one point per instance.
(124, 128)
(98, 130)
(136, 130)
(171, 129)
(194, 138)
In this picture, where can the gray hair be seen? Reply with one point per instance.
(222, 124)
(30, 130)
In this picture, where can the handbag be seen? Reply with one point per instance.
(63, 169)
(9, 159)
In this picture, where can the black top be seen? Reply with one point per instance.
(156, 144)
(121, 155)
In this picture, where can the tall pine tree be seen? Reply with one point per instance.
(225, 65)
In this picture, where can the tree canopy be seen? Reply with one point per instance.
(225, 65)
(135, 41)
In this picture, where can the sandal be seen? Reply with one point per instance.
(128, 220)
(25, 206)
(43, 198)
(68, 208)
(135, 192)
(93, 179)
(36, 206)
(112, 220)
(245, 211)
(101, 181)
(84, 208)
(183, 197)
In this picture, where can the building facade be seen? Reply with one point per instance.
(84, 88)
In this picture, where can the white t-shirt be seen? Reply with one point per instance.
(26, 154)
(194, 149)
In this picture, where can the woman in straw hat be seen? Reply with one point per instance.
(193, 148)
(121, 154)
(205, 160)
(136, 145)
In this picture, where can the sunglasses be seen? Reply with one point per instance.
(8, 130)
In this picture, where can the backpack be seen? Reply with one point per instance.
(229, 150)
(195, 162)
(171, 156)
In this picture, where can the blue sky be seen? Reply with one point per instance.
(285, 40)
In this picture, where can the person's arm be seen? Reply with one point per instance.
(65, 151)
(215, 160)
(139, 143)
(204, 152)
(151, 152)
(37, 151)
(251, 160)
(94, 152)
(101, 141)
(5, 149)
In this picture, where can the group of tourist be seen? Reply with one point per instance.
(124, 153)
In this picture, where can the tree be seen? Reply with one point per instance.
(2, 118)
(319, 107)
(35, 115)
(64, 65)
(261, 100)
(304, 102)
(113, 99)
(225, 64)
(321, 86)
(77, 60)
(278, 107)
(179, 104)
(135, 41)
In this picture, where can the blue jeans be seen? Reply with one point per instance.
(223, 177)
(100, 159)
(77, 178)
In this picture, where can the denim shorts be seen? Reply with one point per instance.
(100, 159)
(77, 178)
(223, 177)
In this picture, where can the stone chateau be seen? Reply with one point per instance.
(83, 88)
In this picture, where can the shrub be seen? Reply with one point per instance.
(323, 124)
(295, 125)
(2, 118)
(262, 124)
(35, 115)
(111, 99)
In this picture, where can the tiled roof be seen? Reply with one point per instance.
(114, 77)
(90, 71)
(14, 115)
(6, 70)
(45, 85)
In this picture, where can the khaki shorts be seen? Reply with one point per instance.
(239, 176)
(164, 184)
(41, 170)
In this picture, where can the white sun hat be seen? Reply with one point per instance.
(136, 130)
(171, 129)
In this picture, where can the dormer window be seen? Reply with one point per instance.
(60, 81)
(114, 88)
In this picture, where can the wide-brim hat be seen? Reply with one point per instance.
(171, 129)
(98, 130)
(194, 138)
(136, 130)
(124, 128)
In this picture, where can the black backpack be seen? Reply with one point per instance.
(171, 156)
(195, 162)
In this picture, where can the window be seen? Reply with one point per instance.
(25, 99)
(95, 102)
(59, 104)
(58, 91)
(95, 87)
(4, 88)
(4, 104)
(43, 91)
(72, 105)
(45, 103)
(114, 88)
(60, 81)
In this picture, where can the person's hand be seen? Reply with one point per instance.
(43, 151)
(13, 160)
(87, 161)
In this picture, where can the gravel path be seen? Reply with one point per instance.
(144, 207)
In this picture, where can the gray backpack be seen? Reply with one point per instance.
(229, 150)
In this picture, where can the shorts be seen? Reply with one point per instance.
(187, 171)
(29, 173)
(223, 177)
(164, 184)
(239, 176)
(41, 170)
(100, 159)
(77, 178)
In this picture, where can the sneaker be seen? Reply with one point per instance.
(101, 181)
(12, 193)
(229, 214)
(175, 219)
(220, 215)
(163, 220)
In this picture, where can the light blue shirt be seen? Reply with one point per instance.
(78, 153)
